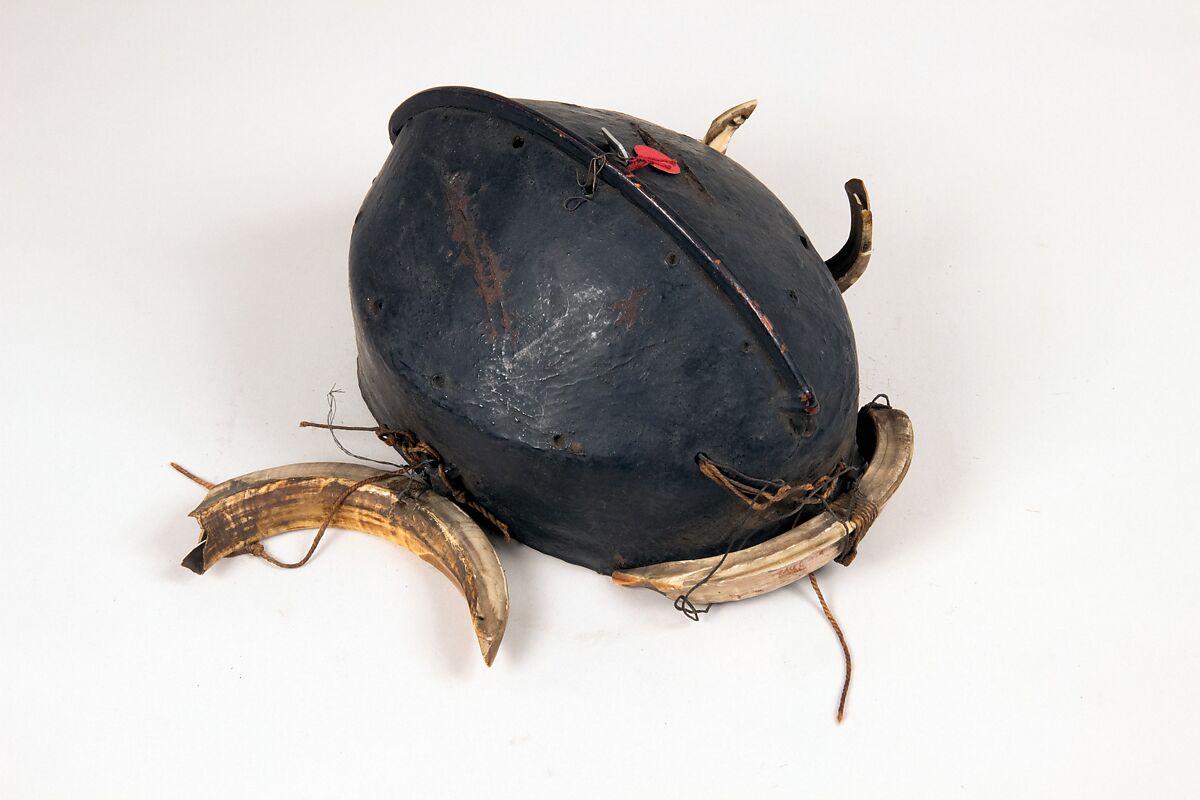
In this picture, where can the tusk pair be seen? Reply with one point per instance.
(848, 265)
(238, 514)
(775, 563)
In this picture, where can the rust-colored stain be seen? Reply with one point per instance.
(475, 252)
(559, 442)
(629, 308)
(763, 318)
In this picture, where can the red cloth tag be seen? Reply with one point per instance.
(644, 156)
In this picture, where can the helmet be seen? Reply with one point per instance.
(625, 359)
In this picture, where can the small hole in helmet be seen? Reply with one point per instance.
(518, 141)
(746, 346)
(557, 440)
(672, 259)
(439, 381)
(375, 305)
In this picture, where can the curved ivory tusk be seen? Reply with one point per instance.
(722, 128)
(804, 549)
(851, 261)
(244, 511)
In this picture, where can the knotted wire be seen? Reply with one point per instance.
(587, 182)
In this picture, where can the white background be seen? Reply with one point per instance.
(177, 185)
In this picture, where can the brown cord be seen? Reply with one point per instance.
(191, 476)
(412, 447)
(257, 549)
(434, 459)
(769, 492)
(420, 455)
(408, 443)
(861, 514)
(757, 499)
(307, 424)
(841, 712)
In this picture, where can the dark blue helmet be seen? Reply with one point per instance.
(609, 335)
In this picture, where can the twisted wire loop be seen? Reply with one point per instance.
(683, 603)
(759, 495)
(587, 182)
(332, 428)
(856, 514)
(424, 463)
